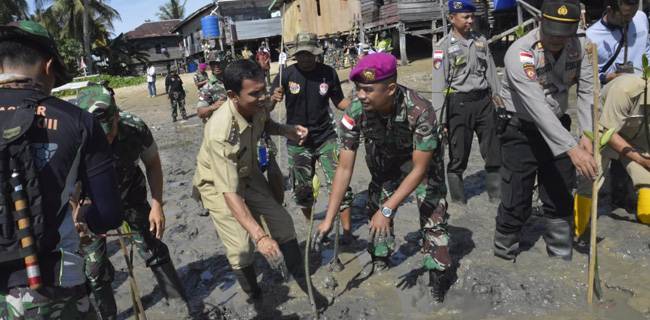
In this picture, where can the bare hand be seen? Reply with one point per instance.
(587, 144)
(611, 76)
(379, 223)
(277, 94)
(268, 247)
(217, 104)
(584, 162)
(157, 221)
(296, 133)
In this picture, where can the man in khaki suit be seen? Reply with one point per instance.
(229, 183)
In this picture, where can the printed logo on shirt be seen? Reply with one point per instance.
(347, 122)
(294, 87)
(529, 69)
(323, 88)
(43, 152)
(526, 57)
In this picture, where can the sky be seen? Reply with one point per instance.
(135, 12)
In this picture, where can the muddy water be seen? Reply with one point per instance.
(484, 287)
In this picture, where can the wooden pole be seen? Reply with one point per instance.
(279, 146)
(134, 286)
(402, 43)
(594, 194)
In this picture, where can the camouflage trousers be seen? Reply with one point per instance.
(341, 53)
(46, 303)
(99, 269)
(330, 57)
(177, 100)
(432, 206)
(302, 161)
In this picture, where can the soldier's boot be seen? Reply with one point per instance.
(559, 238)
(493, 186)
(505, 245)
(169, 282)
(439, 282)
(456, 188)
(581, 212)
(248, 282)
(294, 261)
(105, 300)
(643, 206)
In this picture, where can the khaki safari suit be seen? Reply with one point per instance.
(227, 162)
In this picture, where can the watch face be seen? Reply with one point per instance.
(387, 212)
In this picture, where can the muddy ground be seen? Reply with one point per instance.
(484, 287)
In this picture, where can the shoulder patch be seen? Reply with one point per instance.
(529, 69)
(526, 57)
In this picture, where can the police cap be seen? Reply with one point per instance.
(462, 6)
(560, 18)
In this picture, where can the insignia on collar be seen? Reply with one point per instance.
(458, 5)
(563, 11)
(368, 74)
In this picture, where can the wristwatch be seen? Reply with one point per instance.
(387, 212)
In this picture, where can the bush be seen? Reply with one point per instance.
(113, 82)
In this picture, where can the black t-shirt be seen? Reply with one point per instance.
(338, 43)
(307, 95)
(173, 83)
(68, 144)
(353, 49)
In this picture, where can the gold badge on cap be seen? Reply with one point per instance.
(458, 5)
(563, 11)
(368, 74)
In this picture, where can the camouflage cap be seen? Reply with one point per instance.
(216, 56)
(98, 101)
(33, 32)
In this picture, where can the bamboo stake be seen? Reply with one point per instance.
(134, 287)
(280, 77)
(595, 187)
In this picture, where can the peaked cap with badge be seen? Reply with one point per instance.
(30, 31)
(461, 6)
(374, 68)
(306, 41)
(560, 18)
(98, 101)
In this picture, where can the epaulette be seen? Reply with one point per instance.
(234, 131)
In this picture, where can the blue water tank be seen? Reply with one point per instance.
(210, 25)
(192, 66)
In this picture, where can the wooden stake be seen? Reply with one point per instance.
(134, 287)
(595, 187)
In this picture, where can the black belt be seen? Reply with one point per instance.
(529, 125)
(474, 95)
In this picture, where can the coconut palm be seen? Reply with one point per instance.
(67, 16)
(172, 10)
(12, 10)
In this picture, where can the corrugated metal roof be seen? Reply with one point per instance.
(257, 29)
(152, 29)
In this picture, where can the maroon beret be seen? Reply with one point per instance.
(374, 67)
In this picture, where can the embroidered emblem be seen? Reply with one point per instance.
(437, 63)
(437, 54)
(563, 11)
(458, 5)
(368, 74)
(571, 77)
(529, 69)
(347, 122)
(573, 54)
(294, 87)
(590, 52)
(526, 57)
(539, 46)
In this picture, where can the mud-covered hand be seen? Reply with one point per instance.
(277, 94)
(157, 221)
(268, 247)
(320, 233)
(379, 223)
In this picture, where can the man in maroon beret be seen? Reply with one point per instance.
(402, 139)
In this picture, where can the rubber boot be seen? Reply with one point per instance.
(248, 282)
(581, 213)
(294, 260)
(505, 245)
(456, 188)
(559, 238)
(438, 281)
(643, 206)
(104, 300)
(493, 186)
(168, 281)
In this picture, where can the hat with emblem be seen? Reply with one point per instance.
(462, 6)
(560, 18)
(216, 56)
(374, 68)
(98, 101)
(33, 32)
(306, 41)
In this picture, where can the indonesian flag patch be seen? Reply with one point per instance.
(526, 57)
(437, 59)
(347, 122)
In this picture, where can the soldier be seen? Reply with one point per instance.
(229, 184)
(385, 43)
(131, 142)
(328, 50)
(213, 94)
(540, 68)
(201, 77)
(404, 154)
(176, 93)
(309, 87)
(68, 144)
(470, 108)
(353, 53)
(339, 53)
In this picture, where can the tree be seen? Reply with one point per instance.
(12, 10)
(71, 50)
(64, 19)
(116, 54)
(172, 10)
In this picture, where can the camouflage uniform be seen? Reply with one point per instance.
(211, 92)
(389, 146)
(200, 76)
(46, 303)
(329, 54)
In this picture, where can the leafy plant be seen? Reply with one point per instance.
(520, 32)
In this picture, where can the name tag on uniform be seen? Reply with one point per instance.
(243, 169)
(453, 49)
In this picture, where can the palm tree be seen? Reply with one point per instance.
(172, 10)
(116, 54)
(67, 17)
(12, 10)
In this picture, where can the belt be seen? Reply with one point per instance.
(474, 95)
(529, 125)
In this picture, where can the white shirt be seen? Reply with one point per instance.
(282, 58)
(151, 74)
